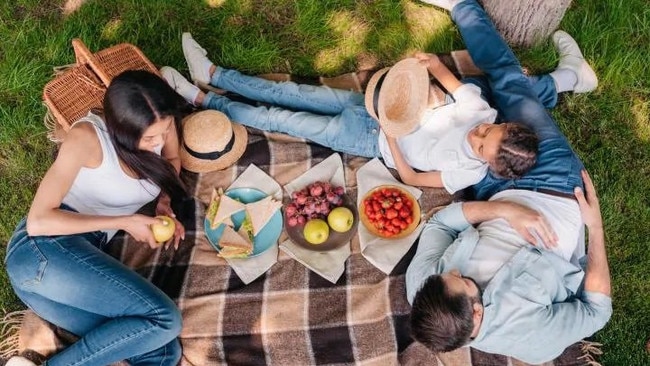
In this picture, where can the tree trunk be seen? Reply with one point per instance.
(525, 22)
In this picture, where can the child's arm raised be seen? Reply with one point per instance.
(408, 175)
(439, 71)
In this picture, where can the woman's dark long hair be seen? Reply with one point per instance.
(134, 101)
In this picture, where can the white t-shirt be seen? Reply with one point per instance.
(440, 141)
(499, 241)
(107, 190)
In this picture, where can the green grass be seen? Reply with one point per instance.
(609, 128)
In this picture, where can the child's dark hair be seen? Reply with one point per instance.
(517, 153)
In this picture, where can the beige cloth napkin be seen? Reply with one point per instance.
(248, 269)
(382, 253)
(329, 264)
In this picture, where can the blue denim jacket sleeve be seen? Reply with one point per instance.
(438, 234)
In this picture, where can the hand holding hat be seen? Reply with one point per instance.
(398, 96)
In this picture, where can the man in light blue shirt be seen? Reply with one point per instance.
(502, 275)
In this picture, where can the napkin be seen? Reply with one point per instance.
(329, 264)
(382, 253)
(248, 269)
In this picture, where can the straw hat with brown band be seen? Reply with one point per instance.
(211, 142)
(397, 96)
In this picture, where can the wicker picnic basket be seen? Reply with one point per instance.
(80, 87)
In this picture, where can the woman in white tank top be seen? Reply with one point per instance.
(105, 171)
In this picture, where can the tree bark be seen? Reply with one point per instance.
(526, 22)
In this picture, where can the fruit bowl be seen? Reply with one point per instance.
(384, 202)
(335, 239)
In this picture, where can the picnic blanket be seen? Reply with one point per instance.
(288, 316)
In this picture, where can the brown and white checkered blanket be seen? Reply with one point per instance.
(290, 315)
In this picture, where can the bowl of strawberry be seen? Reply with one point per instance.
(389, 212)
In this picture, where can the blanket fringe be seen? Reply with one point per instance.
(10, 333)
(589, 352)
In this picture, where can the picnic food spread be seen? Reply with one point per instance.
(389, 212)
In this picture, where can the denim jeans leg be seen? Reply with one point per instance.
(117, 313)
(542, 85)
(299, 97)
(352, 131)
(557, 168)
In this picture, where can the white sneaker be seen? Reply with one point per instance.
(571, 58)
(19, 361)
(196, 59)
(445, 4)
(183, 87)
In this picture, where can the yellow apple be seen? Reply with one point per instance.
(340, 219)
(163, 231)
(316, 231)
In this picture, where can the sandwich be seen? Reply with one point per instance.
(221, 208)
(260, 212)
(233, 245)
(211, 212)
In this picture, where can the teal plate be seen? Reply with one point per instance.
(265, 239)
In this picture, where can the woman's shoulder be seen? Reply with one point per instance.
(82, 139)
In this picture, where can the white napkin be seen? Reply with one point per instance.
(329, 264)
(248, 269)
(382, 253)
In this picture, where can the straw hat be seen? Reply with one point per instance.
(397, 96)
(211, 142)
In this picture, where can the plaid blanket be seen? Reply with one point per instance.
(289, 315)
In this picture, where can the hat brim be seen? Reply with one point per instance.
(369, 97)
(228, 159)
(403, 97)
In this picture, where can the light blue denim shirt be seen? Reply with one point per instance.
(534, 306)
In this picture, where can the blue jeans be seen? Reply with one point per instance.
(558, 167)
(329, 117)
(119, 315)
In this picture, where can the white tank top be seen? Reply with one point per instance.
(107, 190)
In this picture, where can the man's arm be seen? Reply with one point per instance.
(597, 278)
(438, 234)
(524, 220)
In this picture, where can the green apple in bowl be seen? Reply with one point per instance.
(341, 219)
(316, 231)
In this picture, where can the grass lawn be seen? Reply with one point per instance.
(609, 128)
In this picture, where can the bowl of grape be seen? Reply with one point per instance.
(320, 217)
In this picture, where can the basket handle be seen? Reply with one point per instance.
(84, 56)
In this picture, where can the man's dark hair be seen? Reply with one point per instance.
(517, 153)
(440, 320)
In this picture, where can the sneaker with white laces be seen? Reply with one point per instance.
(19, 361)
(571, 58)
(181, 85)
(445, 4)
(196, 59)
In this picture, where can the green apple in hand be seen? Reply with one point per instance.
(164, 230)
(340, 219)
(316, 231)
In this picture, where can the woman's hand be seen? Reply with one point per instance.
(589, 205)
(527, 221)
(139, 227)
(163, 208)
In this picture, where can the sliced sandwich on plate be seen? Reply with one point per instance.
(260, 212)
(221, 208)
(234, 245)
